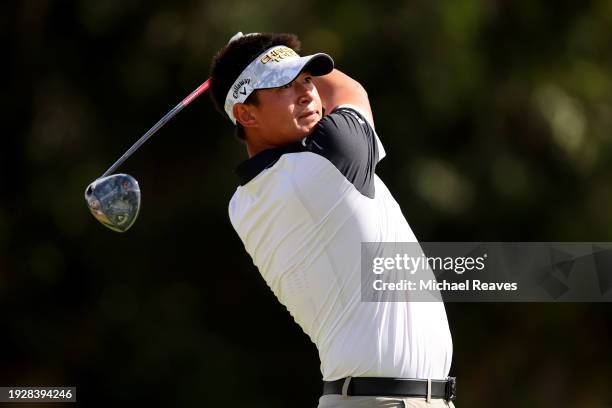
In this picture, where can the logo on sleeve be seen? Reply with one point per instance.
(353, 114)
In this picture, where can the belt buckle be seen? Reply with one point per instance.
(450, 390)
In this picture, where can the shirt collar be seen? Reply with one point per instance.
(250, 168)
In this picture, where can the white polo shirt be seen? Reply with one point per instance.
(302, 212)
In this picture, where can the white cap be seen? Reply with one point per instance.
(277, 66)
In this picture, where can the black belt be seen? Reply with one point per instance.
(392, 387)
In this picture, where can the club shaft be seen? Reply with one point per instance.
(197, 92)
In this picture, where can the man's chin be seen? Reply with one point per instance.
(308, 130)
(309, 123)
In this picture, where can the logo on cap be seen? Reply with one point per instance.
(239, 85)
(278, 54)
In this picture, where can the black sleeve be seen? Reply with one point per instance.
(346, 139)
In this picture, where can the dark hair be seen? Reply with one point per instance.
(232, 59)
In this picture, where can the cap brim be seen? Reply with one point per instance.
(316, 65)
(319, 64)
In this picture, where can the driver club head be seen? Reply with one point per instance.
(114, 201)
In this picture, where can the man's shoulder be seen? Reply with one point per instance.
(348, 141)
(344, 118)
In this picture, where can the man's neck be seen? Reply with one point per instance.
(252, 150)
(255, 145)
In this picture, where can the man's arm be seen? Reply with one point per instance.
(337, 88)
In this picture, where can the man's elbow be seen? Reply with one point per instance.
(360, 90)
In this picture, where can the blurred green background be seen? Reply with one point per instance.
(496, 116)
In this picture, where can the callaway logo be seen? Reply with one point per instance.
(239, 85)
(278, 54)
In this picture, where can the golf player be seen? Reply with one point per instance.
(308, 197)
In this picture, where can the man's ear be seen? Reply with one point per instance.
(244, 115)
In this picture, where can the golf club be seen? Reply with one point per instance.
(114, 199)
